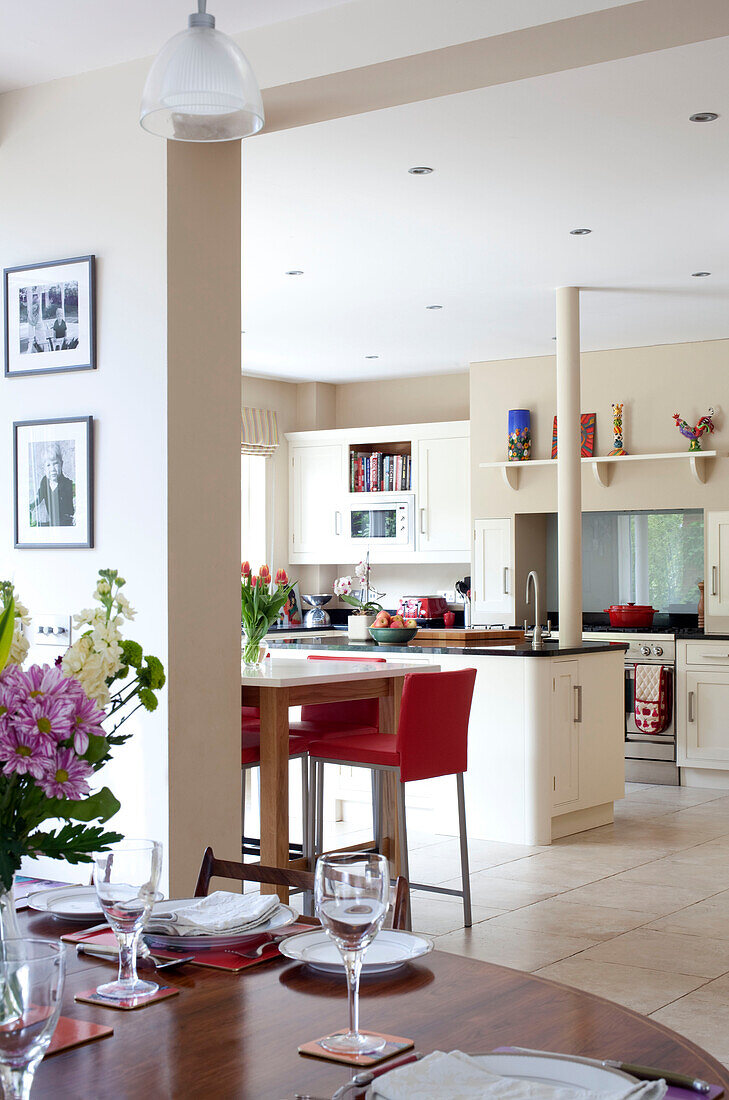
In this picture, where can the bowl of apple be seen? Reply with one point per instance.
(393, 629)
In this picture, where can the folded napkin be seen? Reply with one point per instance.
(459, 1077)
(217, 915)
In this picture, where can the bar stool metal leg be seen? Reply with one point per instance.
(319, 841)
(402, 829)
(465, 879)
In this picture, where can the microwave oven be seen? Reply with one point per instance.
(388, 523)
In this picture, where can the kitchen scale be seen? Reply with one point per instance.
(317, 616)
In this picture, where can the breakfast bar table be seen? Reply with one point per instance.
(281, 683)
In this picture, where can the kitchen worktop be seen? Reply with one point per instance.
(549, 649)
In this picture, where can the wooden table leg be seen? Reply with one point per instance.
(275, 783)
(389, 717)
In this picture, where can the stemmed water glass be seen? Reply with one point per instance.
(351, 892)
(126, 879)
(31, 986)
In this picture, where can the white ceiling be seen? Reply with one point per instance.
(53, 38)
(487, 236)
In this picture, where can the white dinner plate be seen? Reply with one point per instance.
(70, 902)
(279, 919)
(388, 950)
(548, 1069)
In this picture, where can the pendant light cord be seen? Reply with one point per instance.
(202, 6)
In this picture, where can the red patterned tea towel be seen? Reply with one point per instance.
(651, 698)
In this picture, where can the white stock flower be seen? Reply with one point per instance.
(103, 588)
(19, 646)
(125, 607)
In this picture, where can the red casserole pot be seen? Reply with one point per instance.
(631, 614)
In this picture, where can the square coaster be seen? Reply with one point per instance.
(74, 1033)
(91, 997)
(396, 1044)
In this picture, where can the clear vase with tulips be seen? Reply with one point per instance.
(260, 603)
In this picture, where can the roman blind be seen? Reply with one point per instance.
(258, 431)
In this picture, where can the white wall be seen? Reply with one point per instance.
(79, 176)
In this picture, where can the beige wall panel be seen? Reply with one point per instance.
(421, 400)
(654, 382)
(203, 306)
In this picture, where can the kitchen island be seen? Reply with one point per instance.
(546, 737)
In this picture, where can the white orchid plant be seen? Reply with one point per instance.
(366, 603)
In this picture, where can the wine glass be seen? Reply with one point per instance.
(351, 893)
(126, 879)
(31, 986)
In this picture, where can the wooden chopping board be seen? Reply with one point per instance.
(460, 636)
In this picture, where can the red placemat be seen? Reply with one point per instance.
(215, 959)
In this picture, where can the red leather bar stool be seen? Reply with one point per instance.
(431, 740)
(321, 721)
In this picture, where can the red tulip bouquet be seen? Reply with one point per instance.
(260, 603)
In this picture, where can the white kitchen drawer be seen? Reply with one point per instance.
(708, 654)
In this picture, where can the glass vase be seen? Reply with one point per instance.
(253, 649)
(9, 927)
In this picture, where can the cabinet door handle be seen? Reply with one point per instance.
(506, 580)
(715, 656)
(422, 521)
(578, 702)
(714, 572)
(691, 707)
(337, 523)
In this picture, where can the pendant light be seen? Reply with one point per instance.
(201, 87)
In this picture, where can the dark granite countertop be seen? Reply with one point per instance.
(549, 649)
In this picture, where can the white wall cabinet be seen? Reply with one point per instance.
(716, 576)
(442, 493)
(315, 504)
(492, 582)
(565, 722)
(320, 493)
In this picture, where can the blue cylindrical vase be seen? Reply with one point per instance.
(520, 435)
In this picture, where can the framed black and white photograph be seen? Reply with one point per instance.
(53, 483)
(50, 322)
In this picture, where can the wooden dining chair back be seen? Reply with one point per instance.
(212, 867)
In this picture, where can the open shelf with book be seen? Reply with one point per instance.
(380, 467)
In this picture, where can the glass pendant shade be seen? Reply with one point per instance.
(201, 88)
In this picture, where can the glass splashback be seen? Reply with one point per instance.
(636, 557)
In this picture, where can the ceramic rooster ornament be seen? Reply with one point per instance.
(694, 434)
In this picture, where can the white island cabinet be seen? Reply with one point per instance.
(702, 706)
(545, 742)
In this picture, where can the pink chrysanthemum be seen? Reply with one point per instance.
(65, 776)
(46, 716)
(11, 694)
(40, 681)
(23, 753)
(86, 721)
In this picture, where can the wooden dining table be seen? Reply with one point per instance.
(282, 683)
(234, 1036)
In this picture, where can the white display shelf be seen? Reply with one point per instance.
(601, 465)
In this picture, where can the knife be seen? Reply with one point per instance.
(649, 1073)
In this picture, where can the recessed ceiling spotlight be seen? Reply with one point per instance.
(434, 307)
(294, 272)
(372, 357)
(704, 116)
(700, 274)
(420, 170)
(579, 232)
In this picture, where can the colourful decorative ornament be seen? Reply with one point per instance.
(520, 436)
(618, 448)
(587, 435)
(705, 424)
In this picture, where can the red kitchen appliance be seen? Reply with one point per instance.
(422, 607)
(636, 615)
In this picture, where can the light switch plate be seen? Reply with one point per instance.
(50, 630)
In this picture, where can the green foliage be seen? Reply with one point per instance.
(132, 653)
(97, 807)
(367, 608)
(148, 699)
(153, 674)
(7, 626)
(98, 749)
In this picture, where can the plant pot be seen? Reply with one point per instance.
(358, 627)
(636, 615)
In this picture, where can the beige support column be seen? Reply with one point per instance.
(203, 449)
(569, 470)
